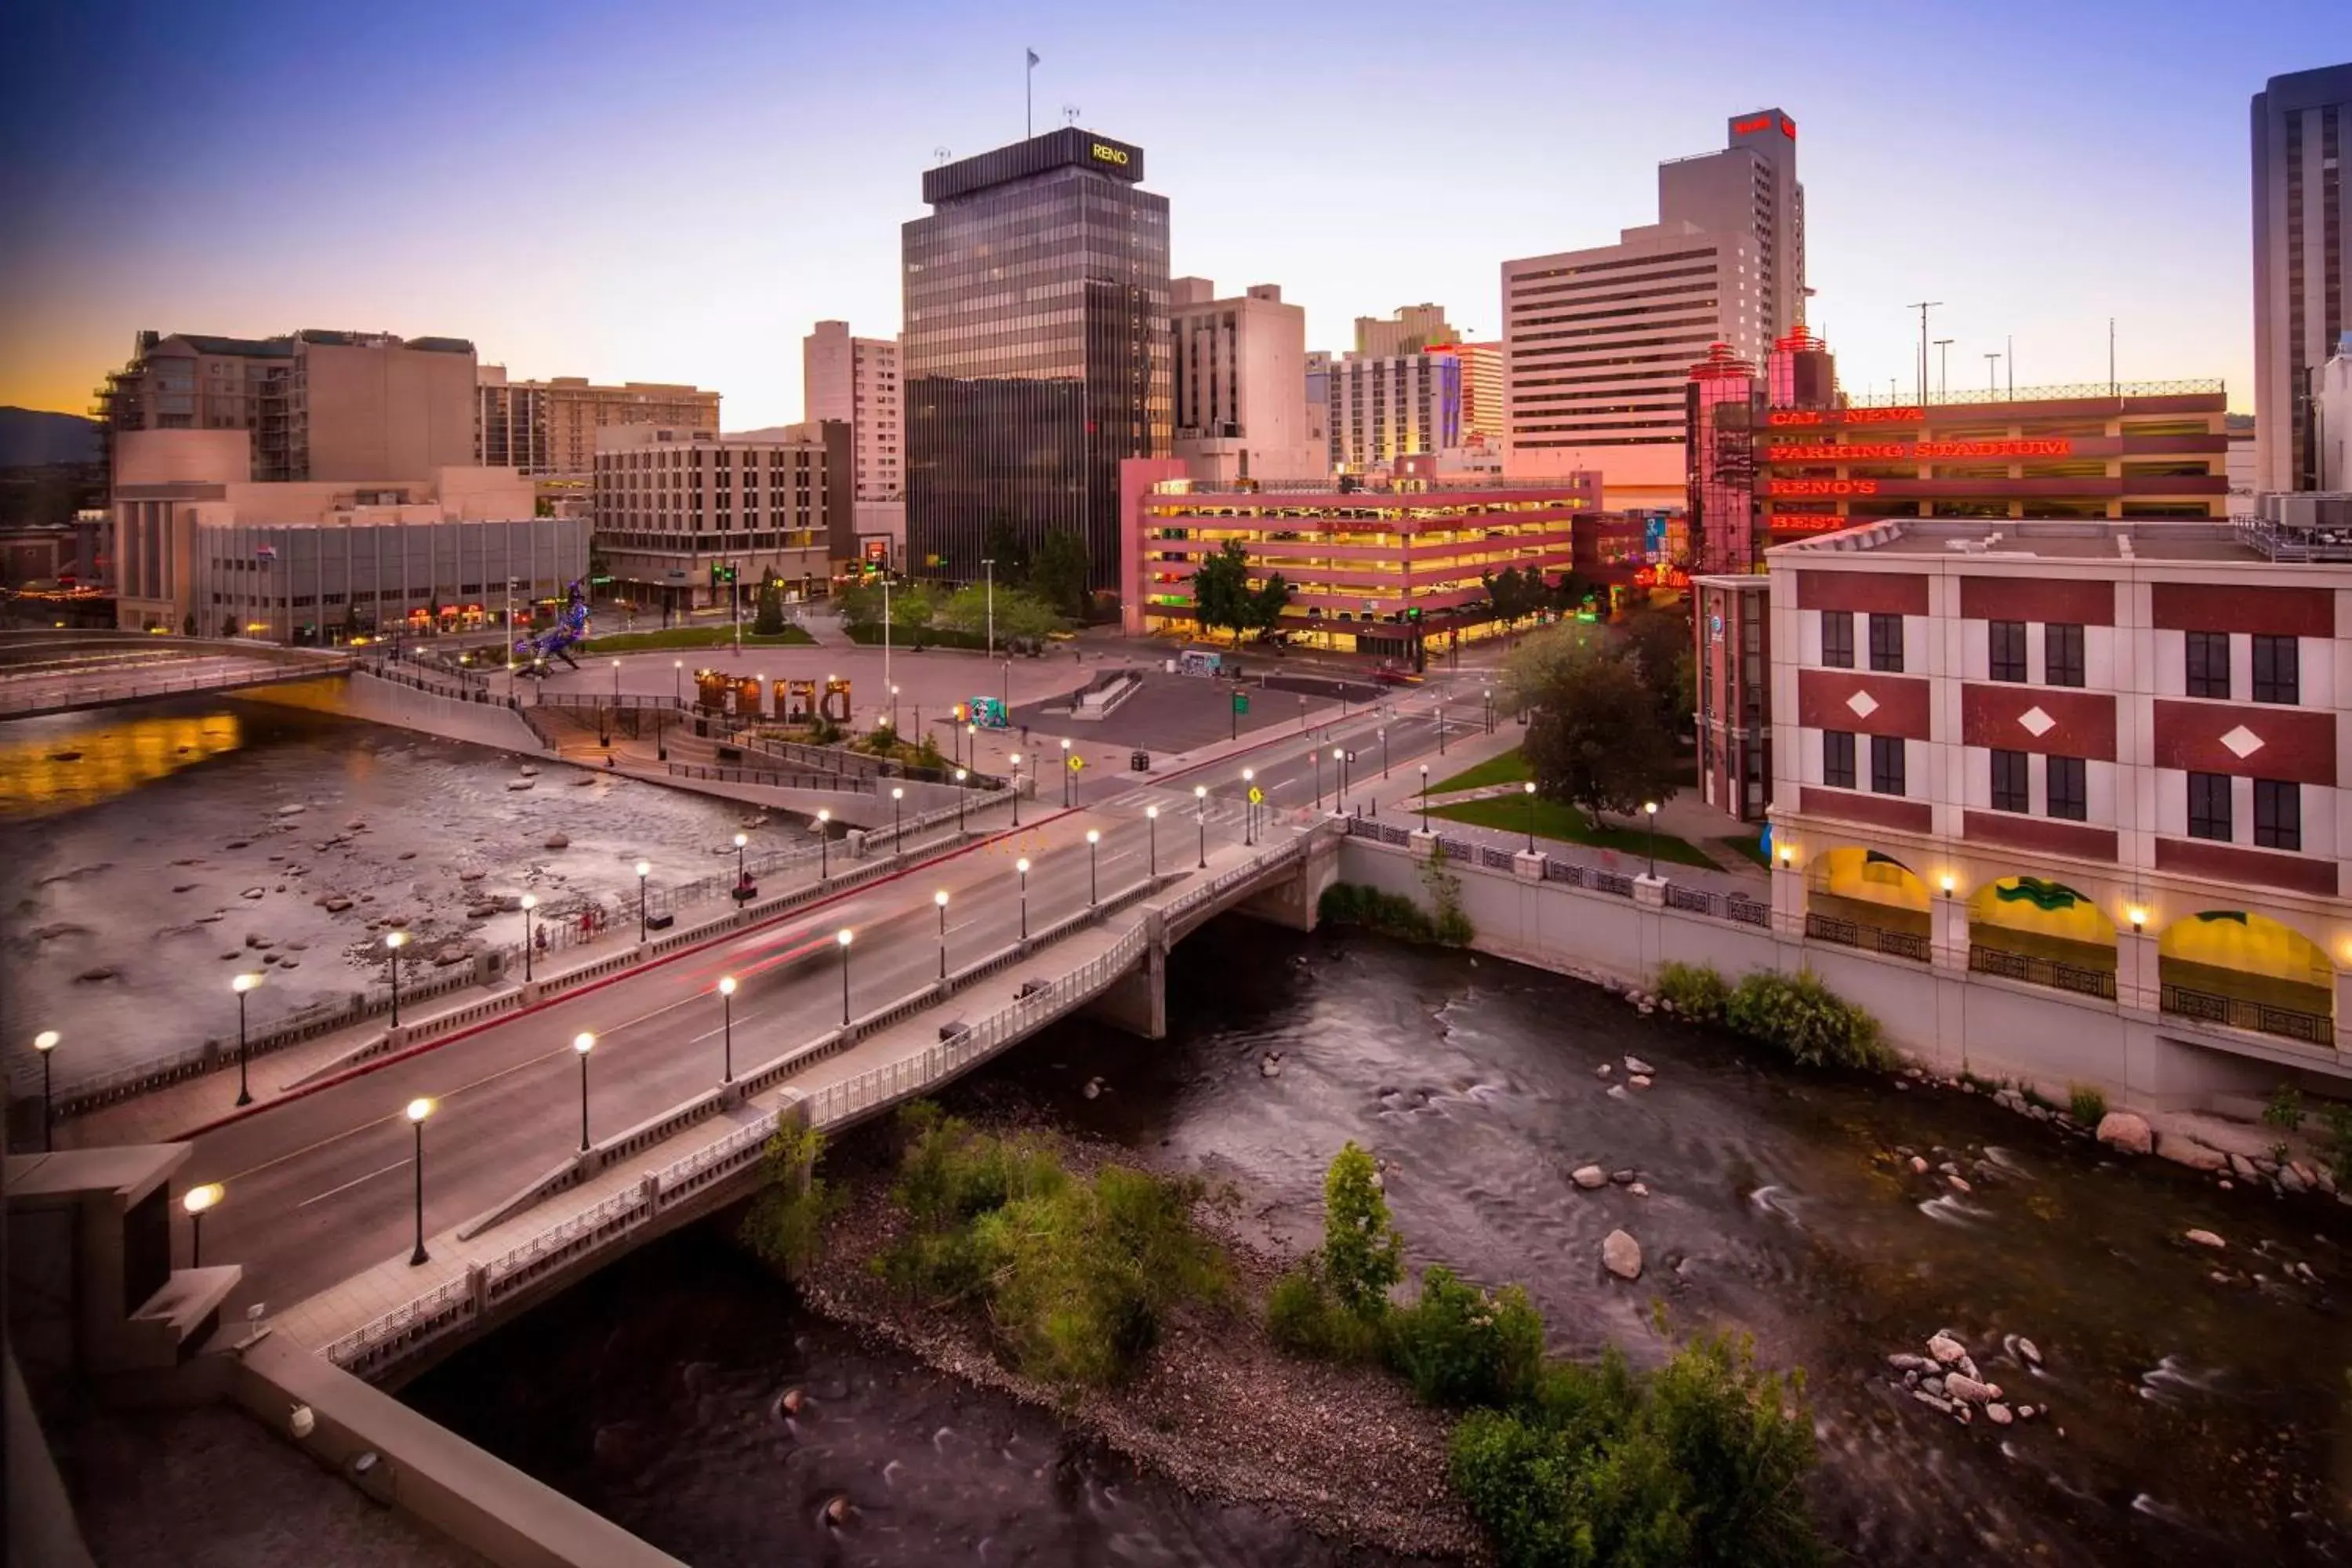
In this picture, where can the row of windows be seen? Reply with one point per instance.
(2277, 666)
(1885, 641)
(2278, 811)
(1885, 762)
(2061, 652)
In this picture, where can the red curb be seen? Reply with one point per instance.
(376, 1064)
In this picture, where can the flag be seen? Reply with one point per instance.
(1032, 59)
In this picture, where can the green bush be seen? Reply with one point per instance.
(1701, 1463)
(1461, 1345)
(1295, 1309)
(2086, 1103)
(1362, 1257)
(1807, 1020)
(1390, 914)
(2285, 1111)
(1696, 990)
(785, 1223)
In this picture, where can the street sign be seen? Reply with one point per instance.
(1241, 701)
(1076, 762)
(1256, 795)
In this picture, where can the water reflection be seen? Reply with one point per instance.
(74, 759)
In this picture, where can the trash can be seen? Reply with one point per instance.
(1140, 761)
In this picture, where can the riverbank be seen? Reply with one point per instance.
(1216, 1409)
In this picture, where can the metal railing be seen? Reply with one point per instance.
(2054, 973)
(1869, 938)
(832, 783)
(2237, 1012)
(1907, 398)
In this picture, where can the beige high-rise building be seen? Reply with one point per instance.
(1240, 383)
(672, 504)
(2303, 262)
(1412, 329)
(855, 381)
(320, 406)
(548, 428)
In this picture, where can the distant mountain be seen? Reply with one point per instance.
(29, 437)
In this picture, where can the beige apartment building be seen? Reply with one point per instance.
(673, 508)
(1240, 383)
(318, 405)
(1409, 330)
(855, 381)
(548, 428)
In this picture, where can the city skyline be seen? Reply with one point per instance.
(2044, 204)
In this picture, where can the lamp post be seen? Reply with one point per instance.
(241, 985)
(843, 938)
(1489, 695)
(644, 869)
(1094, 888)
(1650, 810)
(1424, 797)
(529, 902)
(1530, 789)
(1022, 866)
(1441, 727)
(395, 940)
(1249, 806)
(1152, 827)
(198, 1202)
(741, 879)
(45, 1042)
(418, 1109)
(1315, 756)
(1067, 775)
(941, 899)
(897, 809)
(1340, 779)
(1383, 733)
(959, 777)
(894, 712)
(677, 681)
(727, 1027)
(823, 841)
(988, 565)
(1200, 814)
(1016, 789)
(581, 1044)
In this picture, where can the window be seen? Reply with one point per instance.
(1837, 640)
(2276, 668)
(2070, 795)
(1837, 758)
(2208, 664)
(2062, 654)
(1885, 763)
(2209, 806)
(2006, 645)
(2010, 790)
(1886, 643)
(2278, 815)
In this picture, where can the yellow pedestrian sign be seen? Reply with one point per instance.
(1076, 762)
(1256, 795)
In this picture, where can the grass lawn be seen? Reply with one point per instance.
(1566, 824)
(1509, 768)
(695, 636)
(1746, 847)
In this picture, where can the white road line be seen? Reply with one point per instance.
(347, 1186)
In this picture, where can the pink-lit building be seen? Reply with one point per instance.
(1382, 565)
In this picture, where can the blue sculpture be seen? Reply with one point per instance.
(571, 628)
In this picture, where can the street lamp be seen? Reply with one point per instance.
(897, 803)
(894, 712)
(1339, 778)
(959, 777)
(241, 985)
(581, 1044)
(1022, 866)
(843, 937)
(644, 869)
(1200, 810)
(1650, 810)
(418, 1109)
(1151, 820)
(395, 941)
(198, 1202)
(45, 1042)
(741, 879)
(1094, 891)
(726, 1005)
(1424, 797)
(1530, 788)
(1315, 756)
(988, 564)
(1066, 775)
(1249, 807)
(823, 841)
(1489, 694)
(1016, 789)
(941, 899)
(1441, 727)
(529, 902)
(677, 681)
(1383, 733)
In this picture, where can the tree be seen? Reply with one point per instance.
(1221, 591)
(912, 606)
(188, 627)
(1595, 739)
(1363, 1256)
(1505, 591)
(1060, 573)
(1267, 603)
(859, 604)
(1003, 544)
(1658, 641)
(768, 619)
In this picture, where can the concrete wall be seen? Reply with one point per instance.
(1942, 1018)
(362, 696)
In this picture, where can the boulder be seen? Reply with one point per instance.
(2123, 1131)
(1918, 1166)
(1958, 1184)
(254, 892)
(1589, 1177)
(1638, 1190)
(1958, 1385)
(2242, 1167)
(554, 841)
(1946, 1350)
(1941, 1405)
(1904, 1360)
(2029, 1351)
(1622, 1178)
(294, 810)
(2182, 1150)
(1603, 1070)
(1616, 1091)
(1621, 1255)
(1639, 1080)
(1636, 1064)
(2203, 1238)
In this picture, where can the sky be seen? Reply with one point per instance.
(676, 193)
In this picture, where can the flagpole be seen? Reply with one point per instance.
(1029, 95)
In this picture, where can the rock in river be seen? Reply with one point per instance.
(1636, 1064)
(1589, 1177)
(1946, 1350)
(2122, 1129)
(2204, 1238)
(1621, 1255)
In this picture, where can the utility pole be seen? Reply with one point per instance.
(885, 643)
(1992, 374)
(989, 566)
(1943, 368)
(2111, 356)
(1923, 306)
(2009, 343)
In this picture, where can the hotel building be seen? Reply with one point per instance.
(2095, 756)
(855, 381)
(1379, 569)
(548, 428)
(1036, 347)
(1240, 381)
(1384, 409)
(671, 505)
(1412, 329)
(2302, 138)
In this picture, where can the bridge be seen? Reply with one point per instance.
(63, 670)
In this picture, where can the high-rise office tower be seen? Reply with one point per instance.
(1036, 347)
(2302, 270)
(855, 381)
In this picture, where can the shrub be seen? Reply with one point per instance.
(2086, 1103)
(1701, 1463)
(1806, 1019)
(2335, 1143)
(1697, 991)
(1295, 1309)
(1390, 914)
(1362, 1256)
(786, 1221)
(1461, 1345)
(2285, 1111)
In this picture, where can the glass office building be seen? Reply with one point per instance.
(1036, 348)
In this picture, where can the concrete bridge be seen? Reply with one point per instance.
(64, 671)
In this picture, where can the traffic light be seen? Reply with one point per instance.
(722, 575)
(1414, 614)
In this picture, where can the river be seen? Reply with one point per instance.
(2187, 1418)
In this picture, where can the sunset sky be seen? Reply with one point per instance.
(675, 193)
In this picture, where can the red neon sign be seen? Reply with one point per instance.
(1787, 128)
(1821, 487)
(1758, 122)
(1870, 451)
(1806, 522)
(1843, 417)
